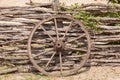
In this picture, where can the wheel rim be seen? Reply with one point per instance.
(55, 41)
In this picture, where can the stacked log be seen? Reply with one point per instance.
(16, 24)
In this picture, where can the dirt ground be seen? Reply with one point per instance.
(67, 2)
(94, 73)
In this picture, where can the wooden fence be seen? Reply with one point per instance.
(17, 22)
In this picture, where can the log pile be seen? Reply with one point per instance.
(17, 22)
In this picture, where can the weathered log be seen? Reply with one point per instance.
(110, 64)
(106, 36)
(25, 20)
(106, 61)
(108, 39)
(15, 58)
(104, 53)
(109, 27)
(14, 12)
(100, 5)
(9, 23)
(98, 8)
(6, 71)
(101, 10)
(99, 42)
(25, 62)
(107, 46)
(110, 31)
(40, 4)
(108, 20)
(40, 9)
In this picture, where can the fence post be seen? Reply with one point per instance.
(55, 5)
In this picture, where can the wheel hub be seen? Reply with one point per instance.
(59, 45)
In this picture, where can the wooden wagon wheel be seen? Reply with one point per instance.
(59, 46)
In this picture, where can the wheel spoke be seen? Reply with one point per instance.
(56, 28)
(43, 52)
(60, 56)
(76, 49)
(47, 33)
(76, 38)
(50, 60)
(68, 28)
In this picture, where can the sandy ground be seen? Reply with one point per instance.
(67, 2)
(94, 73)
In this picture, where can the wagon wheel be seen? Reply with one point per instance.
(59, 46)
